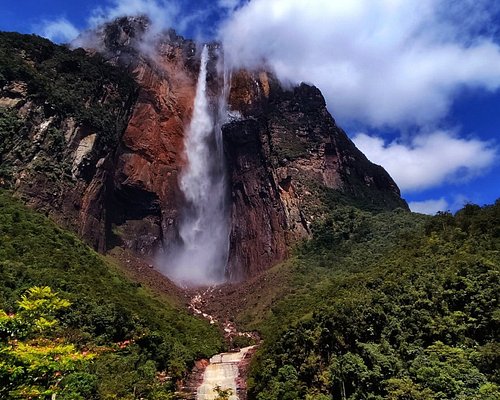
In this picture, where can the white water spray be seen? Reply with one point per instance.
(201, 257)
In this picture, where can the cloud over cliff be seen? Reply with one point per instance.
(380, 62)
(395, 64)
(429, 160)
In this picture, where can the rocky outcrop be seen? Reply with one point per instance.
(150, 155)
(95, 139)
(62, 114)
(113, 187)
(145, 199)
(289, 162)
(259, 224)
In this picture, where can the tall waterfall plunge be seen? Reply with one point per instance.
(201, 256)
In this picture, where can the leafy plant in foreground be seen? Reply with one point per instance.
(34, 362)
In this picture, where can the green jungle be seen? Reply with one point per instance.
(376, 305)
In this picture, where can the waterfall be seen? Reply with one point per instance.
(201, 256)
(222, 371)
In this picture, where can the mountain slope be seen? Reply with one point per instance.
(377, 313)
(290, 163)
(95, 138)
(106, 307)
(62, 114)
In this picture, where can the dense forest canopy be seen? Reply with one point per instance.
(406, 313)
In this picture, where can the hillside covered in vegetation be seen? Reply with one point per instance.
(386, 306)
(139, 337)
(371, 301)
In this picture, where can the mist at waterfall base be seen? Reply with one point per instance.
(200, 256)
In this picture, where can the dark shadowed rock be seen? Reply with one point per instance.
(286, 158)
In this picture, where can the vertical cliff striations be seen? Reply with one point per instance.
(62, 114)
(146, 198)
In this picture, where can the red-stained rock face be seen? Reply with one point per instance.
(283, 151)
(150, 157)
(283, 154)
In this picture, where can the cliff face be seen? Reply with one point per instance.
(145, 199)
(62, 114)
(116, 158)
(146, 196)
(289, 162)
(116, 183)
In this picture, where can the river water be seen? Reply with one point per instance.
(222, 371)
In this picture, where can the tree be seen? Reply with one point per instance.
(406, 389)
(448, 371)
(285, 386)
(33, 362)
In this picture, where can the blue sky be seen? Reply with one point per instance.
(415, 84)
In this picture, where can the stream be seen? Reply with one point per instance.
(222, 371)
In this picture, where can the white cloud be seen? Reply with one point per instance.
(162, 13)
(379, 62)
(447, 203)
(59, 30)
(429, 160)
(430, 207)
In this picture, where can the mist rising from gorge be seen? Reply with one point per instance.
(200, 256)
